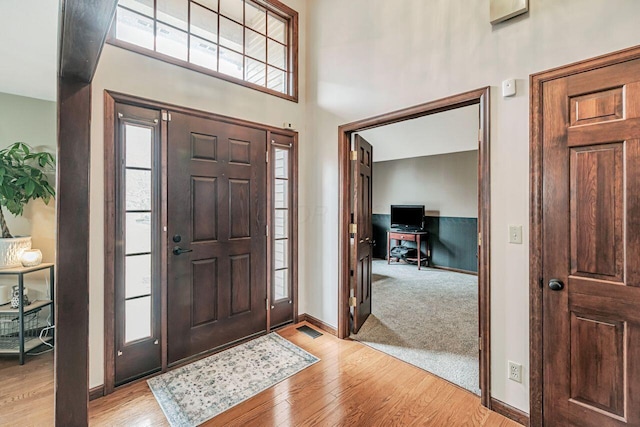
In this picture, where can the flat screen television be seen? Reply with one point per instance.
(407, 217)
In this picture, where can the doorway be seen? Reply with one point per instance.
(200, 229)
(424, 305)
(584, 270)
(349, 292)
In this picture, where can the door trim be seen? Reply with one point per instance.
(535, 215)
(110, 100)
(478, 96)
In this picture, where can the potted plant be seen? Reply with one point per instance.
(22, 178)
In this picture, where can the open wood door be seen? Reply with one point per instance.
(591, 247)
(362, 231)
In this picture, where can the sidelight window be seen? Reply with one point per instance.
(132, 242)
(137, 231)
(251, 42)
(281, 209)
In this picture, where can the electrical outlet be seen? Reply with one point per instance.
(515, 372)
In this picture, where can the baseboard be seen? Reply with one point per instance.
(96, 392)
(455, 270)
(318, 323)
(510, 412)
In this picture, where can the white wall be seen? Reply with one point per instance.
(34, 122)
(368, 57)
(29, 48)
(447, 185)
(447, 132)
(126, 72)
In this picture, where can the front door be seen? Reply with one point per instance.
(591, 248)
(216, 237)
(362, 237)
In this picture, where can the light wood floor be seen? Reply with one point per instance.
(26, 392)
(352, 385)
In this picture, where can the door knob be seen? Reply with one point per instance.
(177, 250)
(556, 285)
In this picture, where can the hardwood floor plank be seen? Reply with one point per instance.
(26, 392)
(352, 385)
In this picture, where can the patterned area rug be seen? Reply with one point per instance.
(197, 392)
(428, 318)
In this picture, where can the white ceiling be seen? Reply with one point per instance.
(28, 47)
(448, 132)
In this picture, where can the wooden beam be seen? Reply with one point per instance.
(84, 25)
(72, 254)
(83, 29)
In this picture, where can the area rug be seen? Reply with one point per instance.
(197, 392)
(428, 318)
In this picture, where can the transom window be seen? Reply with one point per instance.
(245, 41)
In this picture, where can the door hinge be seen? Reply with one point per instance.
(267, 303)
(267, 228)
(352, 301)
(267, 157)
(480, 135)
(353, 228)
(119, 353)
(479, 239)
(480, 343)
(166, 117)
(354, 155)
(351, 273)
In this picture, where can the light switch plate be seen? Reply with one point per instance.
(515, 234)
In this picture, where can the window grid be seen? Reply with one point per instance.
(281, 243)
(135, 328)
(265, 66)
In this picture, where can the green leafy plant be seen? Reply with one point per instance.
(23, 178)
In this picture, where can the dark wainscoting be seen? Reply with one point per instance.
(453, 241)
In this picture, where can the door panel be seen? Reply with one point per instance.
(597, 211)
(363, 238)
(597, 347)
(217, 210)
(204, 200)
(591, 182)
(240, 284)
(240, 221)
(204, 288)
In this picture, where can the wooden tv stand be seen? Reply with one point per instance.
(406, 236)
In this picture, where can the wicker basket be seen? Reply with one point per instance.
(10, 325)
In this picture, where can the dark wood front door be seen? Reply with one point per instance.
(591, 247)
(216, 210)
(362, 165)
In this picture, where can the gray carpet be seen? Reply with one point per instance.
(428, 318)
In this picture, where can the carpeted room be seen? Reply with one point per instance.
(429, 316)
(438, 333)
